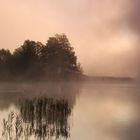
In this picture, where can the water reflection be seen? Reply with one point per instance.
(42, 117)
(40, 113)
(102, 111)
(10, 93)
(110, 112)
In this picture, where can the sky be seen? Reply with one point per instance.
(104, 33)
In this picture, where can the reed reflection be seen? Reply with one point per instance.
(43, 118)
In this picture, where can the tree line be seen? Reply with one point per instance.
(34, 60)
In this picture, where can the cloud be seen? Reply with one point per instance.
(133, 22)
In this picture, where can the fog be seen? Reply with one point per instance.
(133, 19)
(88, 104)
(103, 33)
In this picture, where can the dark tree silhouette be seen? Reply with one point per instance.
(5, 57)
(26, 59)
(59, 57)
(33, 60)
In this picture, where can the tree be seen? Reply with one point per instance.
(34, 60)
(26, 59)
(5, 57)
(59, 56)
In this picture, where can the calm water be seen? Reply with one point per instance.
(72, 111)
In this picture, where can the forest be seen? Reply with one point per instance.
(35, 61)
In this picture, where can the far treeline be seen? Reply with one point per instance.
(36, 61)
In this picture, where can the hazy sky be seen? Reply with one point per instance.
(101, 31)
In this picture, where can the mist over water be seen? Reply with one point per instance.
(66, 110)
(106, 38)
(37, 110)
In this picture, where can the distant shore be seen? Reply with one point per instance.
(108, 79)
(71, 78)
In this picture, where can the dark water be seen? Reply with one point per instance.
(75, 111)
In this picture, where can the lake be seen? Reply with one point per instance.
(73, 111)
